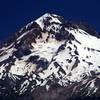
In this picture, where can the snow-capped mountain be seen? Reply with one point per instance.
(50, 56)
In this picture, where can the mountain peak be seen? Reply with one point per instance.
(47, 21)
(50, 51)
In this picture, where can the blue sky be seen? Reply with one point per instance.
(14, 14)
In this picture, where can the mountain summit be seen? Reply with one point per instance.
(50, 59)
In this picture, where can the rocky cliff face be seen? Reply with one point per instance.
(50, 59)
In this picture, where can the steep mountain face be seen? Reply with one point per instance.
(50, 59)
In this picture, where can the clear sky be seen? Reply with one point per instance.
(14, 14)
